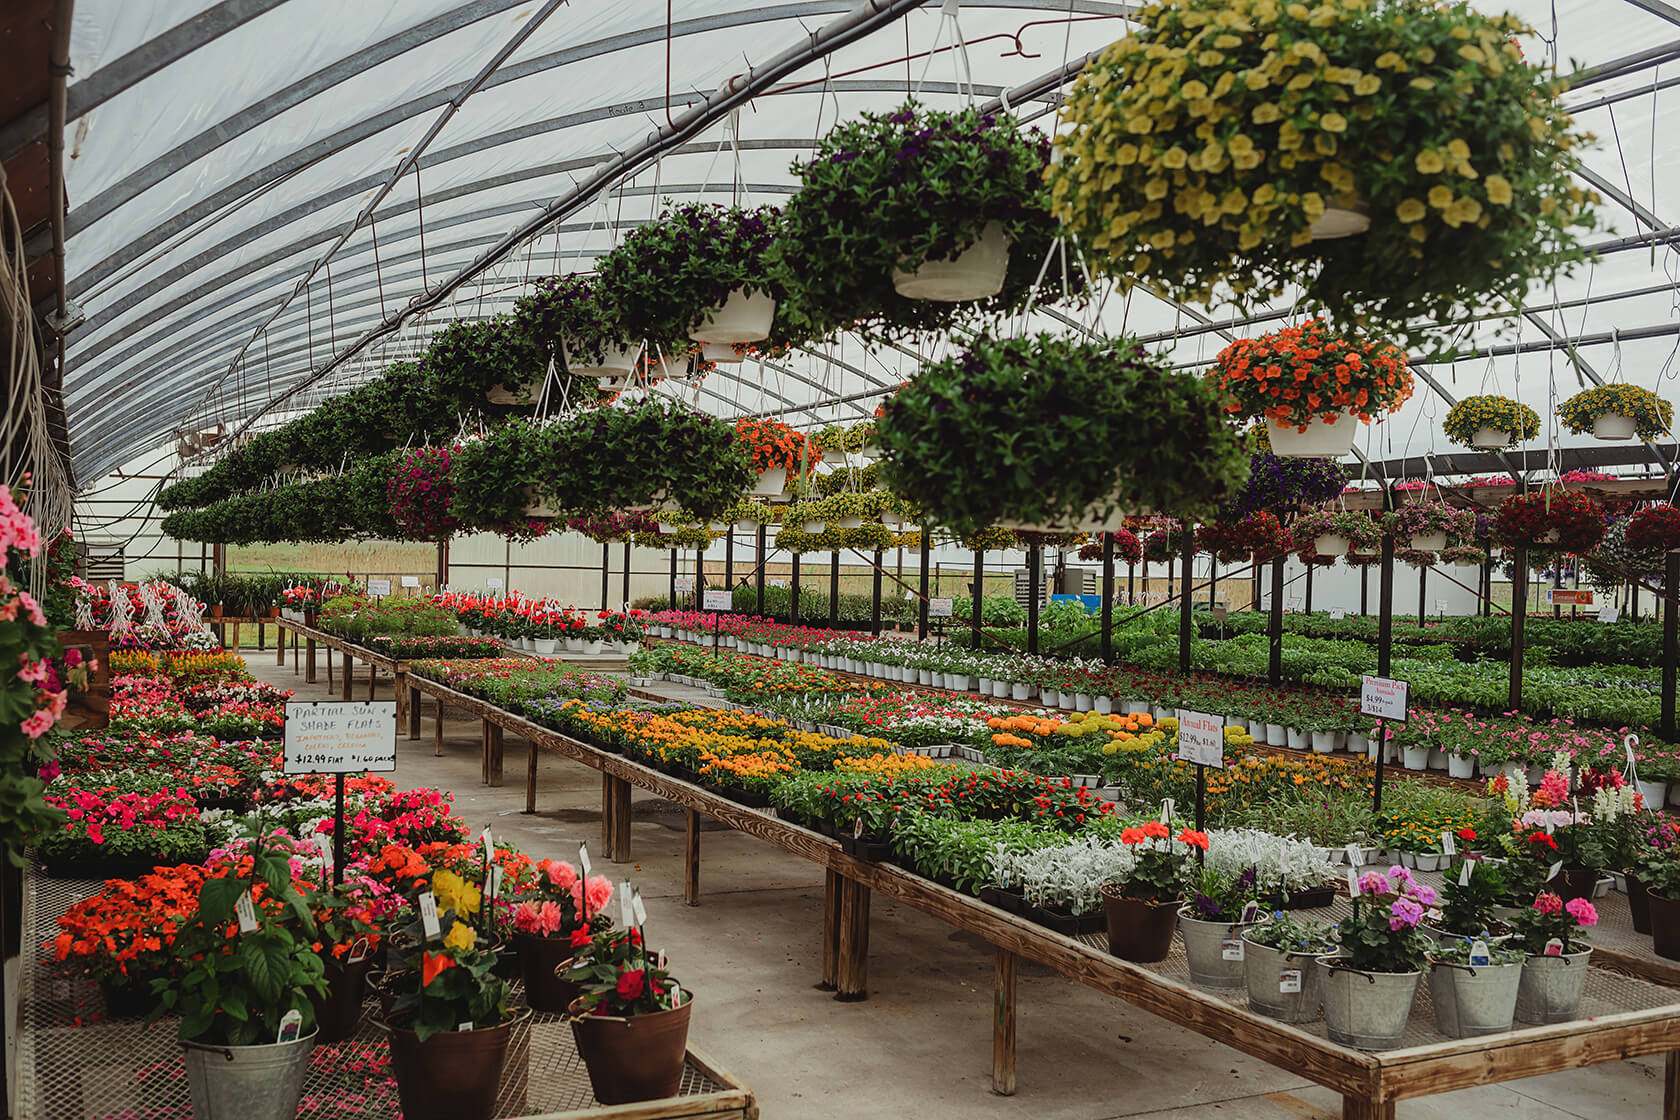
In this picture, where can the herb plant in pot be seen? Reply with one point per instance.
(900, 216)
(1617, 412)
(1473, 984)
(553, 921)
(451, 1027)
(1337, 532)
(248, 970)
(1312, 385)
(579, 328)
(1142, 905)
(1373, 976)
(1222, 908)
(1040, 433)
(698, 272)
(1490, 423)
(631, 1022)
(1281, 970)
(1282, 131)
(1554, 975)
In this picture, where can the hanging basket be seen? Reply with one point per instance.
(536, 506)
(501, 394)
(1322, 439)
(1330, 544)
(976, 272)
(1428, 542)
(1341, 221)
(616, 362)
(721, 353)
(1613, 426)
(1492, 439)
(742, 318)
(834, 458)
(850, 521)
(770, 484)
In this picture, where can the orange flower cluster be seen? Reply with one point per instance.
(1301, 373)
(771, 444)
(130, 924)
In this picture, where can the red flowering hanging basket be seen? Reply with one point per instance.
(1655, 528)
(1127, 548)
(1259, 535)
(1556, 520)
(420, 490)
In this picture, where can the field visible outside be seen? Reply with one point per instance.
(379, 558)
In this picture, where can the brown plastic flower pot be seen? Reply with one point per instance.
(1574, 883)
(543, 962)
(639, 1058)
(1665, 925)
(339, 1012)
(453, 1075)
(1140, 929)
(1639, 906)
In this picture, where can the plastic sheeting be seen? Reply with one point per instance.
(254, 132)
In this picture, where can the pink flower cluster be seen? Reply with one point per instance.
(1413, 898)
(93, 810)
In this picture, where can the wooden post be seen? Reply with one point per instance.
(327, 656)
(279, 645)
(691, 861)
(349, 668)
(1108, 659)
(297, 652)
(262, 636)
(1003, 1023)
(609, 791)
(1274, 631)
(415, 699)
(483, 751)
(1671, 653)
(531, 777)
(1519, 617)
(1188, 528)
(831, 931)
(851, 980)
(495, 761)
(618, 808)
(400, 694)
(1671, 1074)
(373, 678)
(437, 730)
(1360, 1108)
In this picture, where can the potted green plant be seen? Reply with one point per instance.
(1312, 385)
(247, 970)
(578, 327)
(451, 1024)
(496, 360)
(1040, 433)
(1490, 423)
(1554, 975)
(698, 271)
(1336, 532)
(1280, 968)
(1616, 412)
(1141, 906)
(900, 216)
(1373, 976)
(1420, 128)
(631, 1022)
(1224, 905)
(1550, 519)
(1473, 985)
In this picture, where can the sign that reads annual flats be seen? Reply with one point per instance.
(341, 737)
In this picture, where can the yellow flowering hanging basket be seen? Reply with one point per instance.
(1240, 142)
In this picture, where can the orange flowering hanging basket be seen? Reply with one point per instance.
(1307, 373)
(773, 445)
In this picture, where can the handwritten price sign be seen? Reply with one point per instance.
(346, 737)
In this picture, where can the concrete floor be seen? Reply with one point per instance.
(920, 1045)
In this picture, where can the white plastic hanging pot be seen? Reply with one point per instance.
(1492, 439)
(501, 394)
(850, 521)
(1341, 221)
(536, 506)
(976, 272)
(814, 527)
(870, 451)
(834, 458)
(1330, 544)
(770, 484)
(667, 530)
(742, 318)
(616, 361)
(1320, 440)
(722, 353)
(1613, 426)
(890, 519)
(746, 526)
(1430, 542)
(1553, 536)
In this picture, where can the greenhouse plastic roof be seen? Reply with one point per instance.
(220, 153)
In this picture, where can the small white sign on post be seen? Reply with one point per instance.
(1440, 606)
(411, 581)
(341, 737)
(494, 583)
(378, 588)
(1293, 603)
(685, 583)
(1201, 738)
(719, 600)
(778, 583)
(1337, 614)
(1609, 614)
(939, 608)
(1383, 698)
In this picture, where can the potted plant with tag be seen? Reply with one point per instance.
(451, 1025)
(349, 917)
(1617, 412)
(553, 921)
(1552, 518)
(1313, 386)
(1473, 984)
(1142, 905)
(1490, 423)
(567, 315)
(1373, 977)
(1280, 968)
(248, 971)
(631, 1022)
(1223, 907)
(1554, 975)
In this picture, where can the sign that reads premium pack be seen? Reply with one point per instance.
(345, 737)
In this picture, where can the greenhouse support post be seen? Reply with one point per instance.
(762, 532)
(1035, 558)
(699, 577)
(1519, 617)
(1423, 594)
(606, 572)
(1671, 641)
(875, 596)
(1131, 582)
(729, 559)
(1385, 613)
(922, 603)
(977, 595)
(1274, 628)
(1188, 530)
(793, 593)
(834, 589)
(672, 602)
(1107, 599)
(627, 573)
(1309, 587)
(1213, 583)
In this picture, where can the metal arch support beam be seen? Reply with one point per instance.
(1658, 8)
(143, 61)
(1639, 210)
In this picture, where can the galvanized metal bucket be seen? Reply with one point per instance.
(1291, 998)
(247, 1082)
(1214, 950)
(1474, 1000)
(1367, 1010)
(1551, 988)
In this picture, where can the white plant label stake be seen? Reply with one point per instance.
(1479, 955)
(583, 859)
(1231, 948)
(1554, 948)
(291, 1025)
(247, 913)
(429, 916)
(1464, 874)
(1289, 981)
(1449, 844)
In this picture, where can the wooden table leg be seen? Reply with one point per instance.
(415, 700)
(297, 652)
(621, 822)
(349, 674)
(1003, 1023)
(437, 730)
(279, 645)
(531, 778)
(261, 637)
(309, 664)
(691, 861)
(1360, 1108)
(327, 656)
(852, 966)
(495, 764)
(831, 931)
(373, 678)
(609, 792)
(484, 752)
(1671, 1086)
